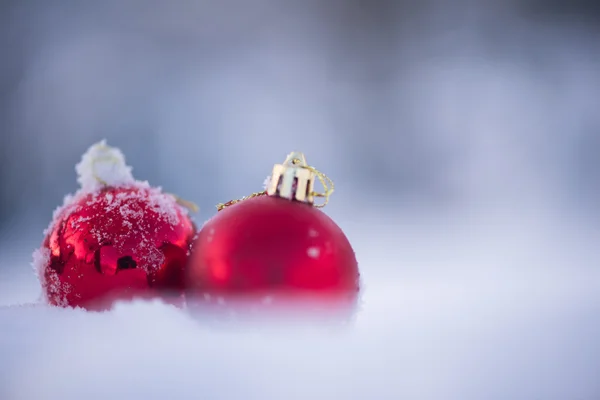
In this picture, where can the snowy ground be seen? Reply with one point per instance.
(500, 309)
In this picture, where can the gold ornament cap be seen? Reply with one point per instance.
(293, 180)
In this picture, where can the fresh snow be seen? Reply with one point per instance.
(103, 165)
(411, 340)
(482, 312)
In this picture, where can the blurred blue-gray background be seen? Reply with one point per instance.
(463, 138)
(439, 104)
(415, 108)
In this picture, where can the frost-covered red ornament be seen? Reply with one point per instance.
(115, 239)
(274, 247)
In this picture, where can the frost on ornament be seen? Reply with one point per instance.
(116, 238)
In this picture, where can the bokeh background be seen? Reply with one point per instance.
(463, 138)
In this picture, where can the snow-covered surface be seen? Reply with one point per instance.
(494, 310)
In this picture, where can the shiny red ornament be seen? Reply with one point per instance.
(116, 243)
(270, 248)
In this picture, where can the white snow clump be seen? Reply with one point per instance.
(102, 165)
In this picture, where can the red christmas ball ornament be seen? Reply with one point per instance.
(274, 247)
(115, 239)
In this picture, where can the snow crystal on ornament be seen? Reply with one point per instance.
(41, 257)
(103, 166)
(56, 289)
(166, 205)
(51, 281)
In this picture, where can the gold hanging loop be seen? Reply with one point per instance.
(294, 179)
